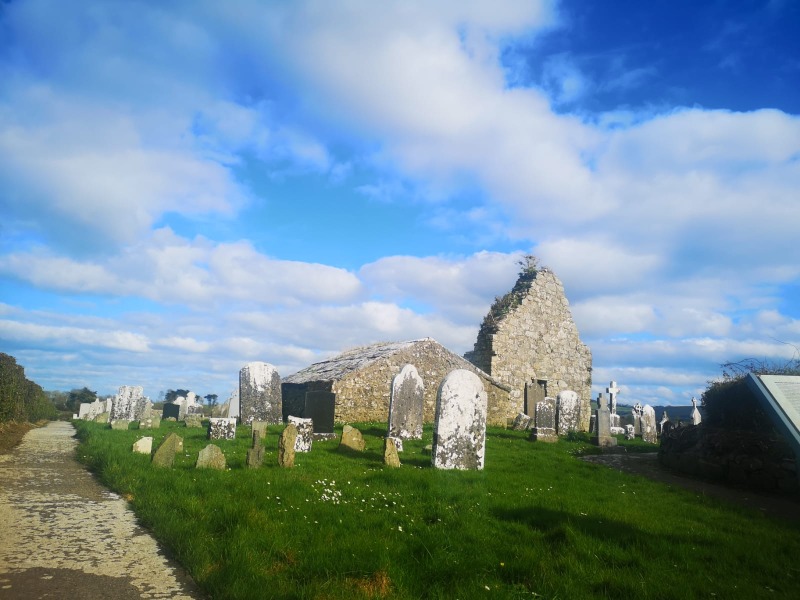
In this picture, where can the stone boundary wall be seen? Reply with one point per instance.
(759, 461)
(537, 340)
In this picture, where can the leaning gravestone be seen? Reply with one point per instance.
(521, 422)
(320, 407)
(604, 439)
(545, 421)
(222, 429)
(305, 434)
(568, 412)
(210, 457)
(459, 430)
(649, 432)
(390, 457)
(164, 456)
(406, 404)
(143, 445)
(260, 394)
(352, 439)
(286, 446)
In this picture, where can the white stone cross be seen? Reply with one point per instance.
(612, 391)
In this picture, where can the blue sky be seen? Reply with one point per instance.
(188, 187)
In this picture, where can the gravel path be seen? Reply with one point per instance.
(62, 535)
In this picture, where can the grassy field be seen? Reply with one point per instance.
(536, 523)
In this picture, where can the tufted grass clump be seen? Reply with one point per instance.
(536, 522)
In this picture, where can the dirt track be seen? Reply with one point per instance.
(62, 535)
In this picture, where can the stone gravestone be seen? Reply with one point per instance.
(121, 424)
(143, 445)
(129, 404)
(545, 417)
(612, 390)
(320, 407)
(390, 456)
(521, 422)
(88, 411)
(164, 455)
(649, 432)
(150, 419)
(779, 395)
(222, 429)
(260, 394)
(352, 439)
(210, 457)
(286, 446)
(629, 432)
(259, 428)
(459, 430)
(255, 455)
(305, 433)
(568, 412)
(696, 417)
(664, 420)
(604, 439)
(193, 421)
(636, 413)
(171, 410)
(406, 404)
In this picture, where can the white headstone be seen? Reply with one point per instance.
(612, 390)
(305, 433)
(568, 412)
(143, 445)
(696, 417)
(459, 431)
(649, 432)
(260, 394)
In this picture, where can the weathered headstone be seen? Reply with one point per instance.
(649, 432)
(459, 431)
(696, 417)
(164, 456)
(629, 432)
(210, 457)
(259, 429)
(129, 404)
(193, 421)
(406, 404)
(88, 411)
(521, 422)
(352, 439)
(390, 456)
(222, 429)
(545, 417)
(568, 412)
(664, 420)
(120, 424)
(231, 406)
(305, 433)
(260, 394)
(102, 417)
(604, 439)
(143, 445)
(612, 390)
(255, 455)
(636, 413)
(151, 422)
(286, 446)
(320, 407)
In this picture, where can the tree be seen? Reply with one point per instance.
(80, 396)
(171, 395)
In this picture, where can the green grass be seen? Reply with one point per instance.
(536, 522)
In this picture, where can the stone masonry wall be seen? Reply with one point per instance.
(537, 340)
(364, 394)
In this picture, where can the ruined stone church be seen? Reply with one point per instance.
(529, 341)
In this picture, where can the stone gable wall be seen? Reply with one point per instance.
(363, 395)
(537, 340)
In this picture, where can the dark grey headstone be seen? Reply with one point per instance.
(321, 408)
(171, 410)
